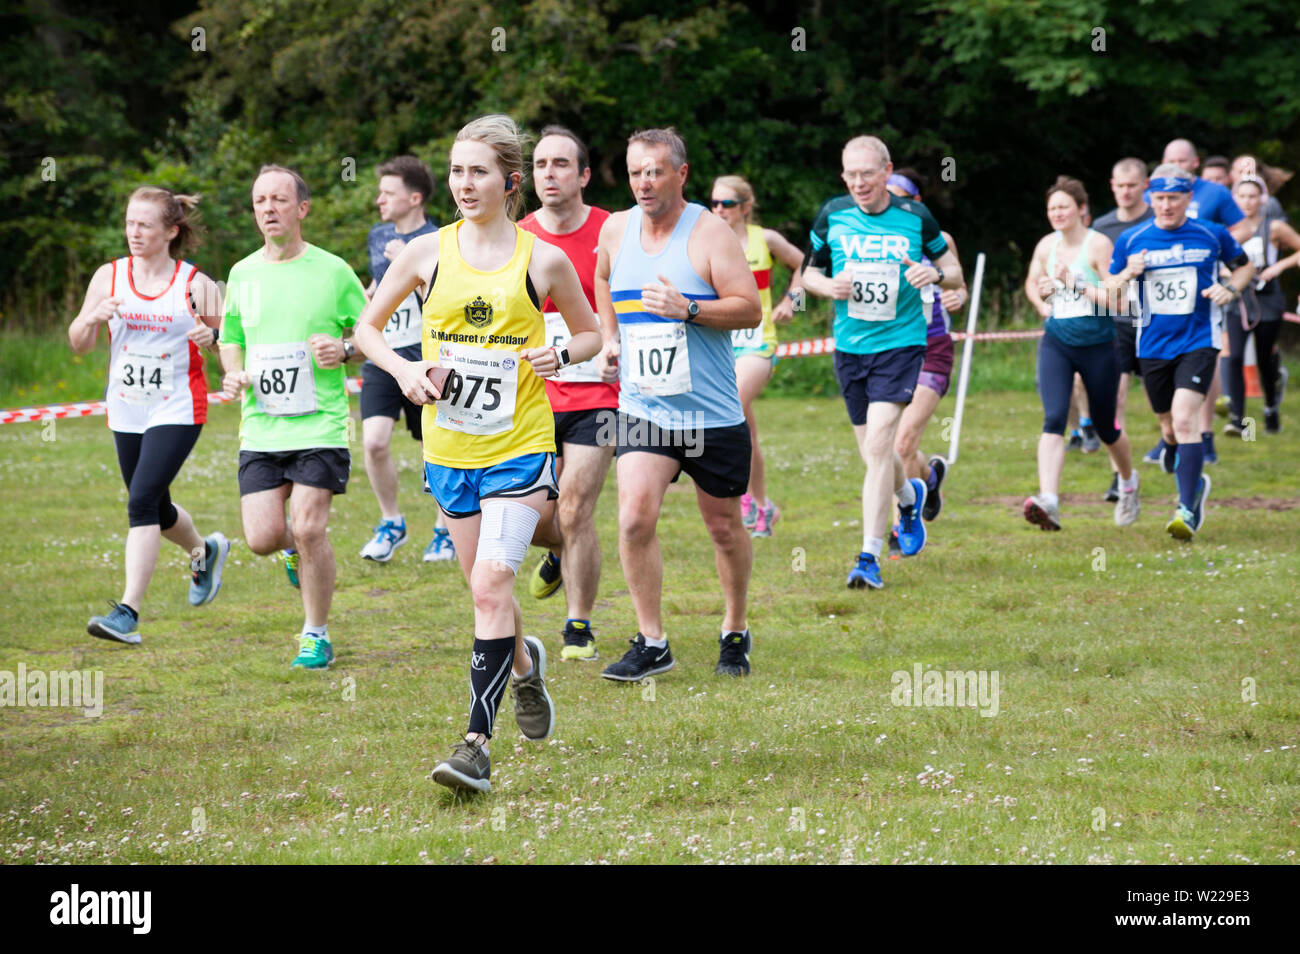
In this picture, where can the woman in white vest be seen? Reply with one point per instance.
(160, 310)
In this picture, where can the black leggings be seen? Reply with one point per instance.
(1057, 364)
(1266, 334)
(149, 463)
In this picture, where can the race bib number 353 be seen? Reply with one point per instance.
(482, 398)
(874, 295)
(282, 378)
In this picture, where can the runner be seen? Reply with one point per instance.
(159, 310)
(1217, 169)
(1262, 246)
(1128, 182)
(585, 407)
(865, 251)
(936, 371)
(1065, 286)
(405, 184)
(755, 348)
(489, 441)
(1177, 260)
(1210, 202)
(672, 283)
(287, 305)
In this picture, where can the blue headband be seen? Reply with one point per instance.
(904, 183)
(1170, 184)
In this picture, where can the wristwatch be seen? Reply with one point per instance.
(692, 310)
(349, 349)
(561, 357)
(939, 280)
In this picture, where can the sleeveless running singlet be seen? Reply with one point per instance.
(1074, 319)
(761, 340)
(478, 323)
(155, 373)
(675, 374)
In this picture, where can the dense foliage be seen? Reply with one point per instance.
(990, 98)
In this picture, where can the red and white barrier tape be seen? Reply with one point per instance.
(786, 349)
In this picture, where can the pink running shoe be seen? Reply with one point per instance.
(748, 511)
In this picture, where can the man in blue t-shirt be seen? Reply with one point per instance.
(865, 254)
(1177, 259)
(405, 184)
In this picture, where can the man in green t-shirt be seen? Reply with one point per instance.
(282, 349)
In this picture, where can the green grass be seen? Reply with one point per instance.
(1121, 656)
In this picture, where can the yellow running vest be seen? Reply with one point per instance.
(763, 338)
(478, 323)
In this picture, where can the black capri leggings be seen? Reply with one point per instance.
(1057, 364)
(1266, 334)
(149, 463)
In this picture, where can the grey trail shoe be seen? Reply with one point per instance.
(467, 768)
(534, 711)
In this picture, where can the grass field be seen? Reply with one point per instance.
(1148, 704)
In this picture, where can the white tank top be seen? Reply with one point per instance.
(155, 373)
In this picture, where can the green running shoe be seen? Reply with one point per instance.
(291, 566)
(313, 653)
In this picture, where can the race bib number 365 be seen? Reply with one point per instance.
(657, 357)
(481, 399)
(1172, 291)
(282, 378)
(874, 295)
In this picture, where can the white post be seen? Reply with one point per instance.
(968, 348)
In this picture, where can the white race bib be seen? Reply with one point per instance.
(1172, 291)
(874, 296)
(658, 360)
(749, 338)
(557, 335)
(283, 379)
(1067, 304)
(482, 400)
(927, 296)
(403, 327)
(143, 376)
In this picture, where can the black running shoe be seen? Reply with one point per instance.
(733, 656)
(640, 661)
(1112, 494)
(1091, 440)
(579, 643)
(895, 550)
(933, 500)
(1075, 442)
(1272, 420)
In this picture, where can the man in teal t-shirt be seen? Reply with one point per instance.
(865, 252)
(287, 306)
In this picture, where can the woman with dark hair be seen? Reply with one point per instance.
(160, 310)
(1065, 287)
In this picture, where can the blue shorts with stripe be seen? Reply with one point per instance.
(460, 491)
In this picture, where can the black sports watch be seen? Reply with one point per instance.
(939, 280)
(692, 310)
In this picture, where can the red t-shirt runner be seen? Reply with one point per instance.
(578, 387)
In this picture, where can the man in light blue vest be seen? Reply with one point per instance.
(672, 283)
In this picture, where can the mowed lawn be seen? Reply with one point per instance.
(1148, 708)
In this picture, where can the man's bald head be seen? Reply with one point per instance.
(1182, 153)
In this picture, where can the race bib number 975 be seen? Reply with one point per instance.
(874, 295)
(282, 378)
(481, 397)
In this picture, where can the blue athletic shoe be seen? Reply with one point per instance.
(440, 548)
(119, 625)
(865, 573)
(205, 579)
(910, 528)
(389, 535)
(1154, 455)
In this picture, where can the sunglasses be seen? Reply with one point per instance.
(725, 203)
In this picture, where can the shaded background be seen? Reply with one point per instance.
(1012, 93)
